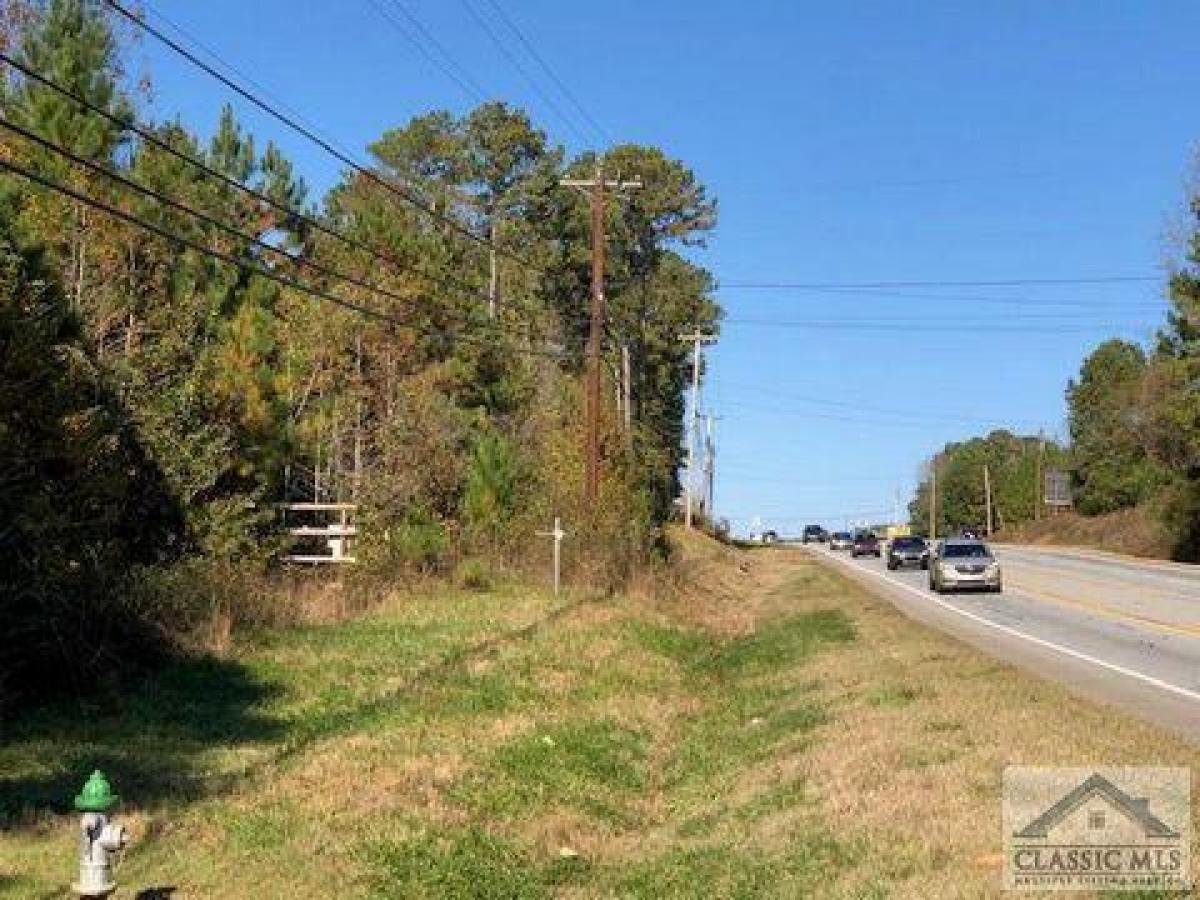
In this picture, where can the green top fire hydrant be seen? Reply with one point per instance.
(99, 839)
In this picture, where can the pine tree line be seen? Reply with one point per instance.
(161, 396)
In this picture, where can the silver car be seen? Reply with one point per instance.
(963, 564)
(841, 540)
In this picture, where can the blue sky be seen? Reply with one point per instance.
(847, 142)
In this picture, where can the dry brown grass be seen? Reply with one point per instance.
(923, 730)
(642, 737)
(1137, 531)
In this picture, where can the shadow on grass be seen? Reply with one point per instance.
(153, 744)
(423, 683)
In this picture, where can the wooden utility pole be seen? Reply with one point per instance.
(697, 341)
(595, 187)
(987, 497)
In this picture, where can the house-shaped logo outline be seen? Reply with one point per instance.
(1096, 785)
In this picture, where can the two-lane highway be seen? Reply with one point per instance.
(1118, 630)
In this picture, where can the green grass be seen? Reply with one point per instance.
(681, 645)
(782, 643)
(593, 767)
(460, 864)
(501, 744)
(807, 867)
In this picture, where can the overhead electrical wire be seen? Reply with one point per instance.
(159, 197)
(1000, 282)
(447, 65)
(153, 228)
(247, 265)
(977, 298)
(310, 134)
(520, 67)
(830, 417)
(862, 407)
(230, 67)
(295, 258)
(949, 326)
(537, 57)
(449, 282)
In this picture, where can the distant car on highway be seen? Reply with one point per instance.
(907, 551)
(841, 540)
(959, 564)
(815, 534)
(866, 543)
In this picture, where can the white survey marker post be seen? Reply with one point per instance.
(558, 534)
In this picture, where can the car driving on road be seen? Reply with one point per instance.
(866, 543)
(815, 533)
(841, 540)
(960, 564)
(907, 551)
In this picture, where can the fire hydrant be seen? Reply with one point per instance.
(99, 839)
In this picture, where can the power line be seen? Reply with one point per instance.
(977, 298)
(246, 265)
(444, 280)
(927, 320)
(550, 73)
(1004, 282)
(229, 258)
(448, 66)
(240, 73)
(983, 328)
(158, 196)
(861, 407)
(873, 421)
(519, 66)
(311, 135)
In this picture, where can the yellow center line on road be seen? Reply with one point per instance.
(1037, 590)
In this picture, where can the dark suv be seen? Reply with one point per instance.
(908, 551)
(865, 544)
(815, 534)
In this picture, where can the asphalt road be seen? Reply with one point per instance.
(1121, 631)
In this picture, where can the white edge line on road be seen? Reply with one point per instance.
(1041, 642)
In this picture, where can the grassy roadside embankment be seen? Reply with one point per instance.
(766, 730)
(1138, 531)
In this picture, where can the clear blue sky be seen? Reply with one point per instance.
(846, 142)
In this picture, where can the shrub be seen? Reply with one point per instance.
(474, 575)
(416, 541)
(491, 491)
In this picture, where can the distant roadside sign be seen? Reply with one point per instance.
(1057, 491)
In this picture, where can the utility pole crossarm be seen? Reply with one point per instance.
(611, 184)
